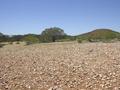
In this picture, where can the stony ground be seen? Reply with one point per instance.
(60, 66)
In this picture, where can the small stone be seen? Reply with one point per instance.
(55, 88)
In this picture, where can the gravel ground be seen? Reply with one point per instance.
(60, 66)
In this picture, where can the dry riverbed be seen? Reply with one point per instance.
(60, 66)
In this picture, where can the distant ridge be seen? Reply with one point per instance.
(100, 35)
(56, 35)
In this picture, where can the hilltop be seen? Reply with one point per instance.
(100, 35)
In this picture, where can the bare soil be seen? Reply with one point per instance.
(60, 66)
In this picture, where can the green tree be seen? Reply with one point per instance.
(52, 34)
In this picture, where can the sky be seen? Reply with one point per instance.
(73, 16)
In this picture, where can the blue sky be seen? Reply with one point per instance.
(74, 16)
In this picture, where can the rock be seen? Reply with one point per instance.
(55, 88)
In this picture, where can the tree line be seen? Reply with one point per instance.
(56, 34)
(53, 34)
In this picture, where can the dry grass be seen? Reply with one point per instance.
(60, 66)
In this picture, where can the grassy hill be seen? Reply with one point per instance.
(99, 35)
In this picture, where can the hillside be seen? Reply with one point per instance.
(100, 35)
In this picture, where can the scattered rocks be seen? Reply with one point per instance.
(60, 66)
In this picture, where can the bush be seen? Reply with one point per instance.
(79, 40)
(28, 43)
(30, 39)
(17, 42)
(93, 40)
(1, 45)
(10, 42)
(107, 41)
(63, 40)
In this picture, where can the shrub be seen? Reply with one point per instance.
(10, 42)
(17, 42)
(79, 40)
(28, 43)
(30, 39)
(1, 45)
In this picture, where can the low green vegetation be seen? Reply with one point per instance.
(30, 39)
(1, 45)
(17, 42)
(56, 34)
